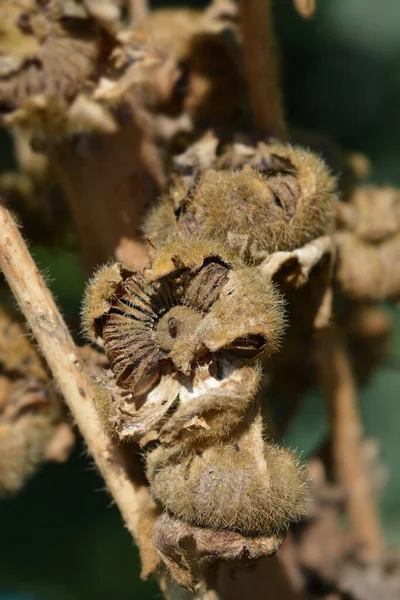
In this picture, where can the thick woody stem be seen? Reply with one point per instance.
(139, 10)
(61, 354)
(261, 67)
(127, 489)
(109, 183)
(306, 8)
(224, 580)
(339, 388)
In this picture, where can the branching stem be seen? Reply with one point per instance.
(61, 354)
(339, 388)
(261, 67)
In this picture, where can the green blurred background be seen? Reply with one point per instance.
(61, 538)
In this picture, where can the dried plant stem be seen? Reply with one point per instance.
(109, 183)
(306, 8)
(139, 10)
(224, 580)
(261, 67)
(127, 488)
(340, 391)
(61, 354)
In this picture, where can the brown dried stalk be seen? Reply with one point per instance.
(306, 8)
(130, 494)
(61, 354)
(139, 10)
(264, 578)
(261, 67)
(339, 388)
(108, 186)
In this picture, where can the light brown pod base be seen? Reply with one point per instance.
(183, 547)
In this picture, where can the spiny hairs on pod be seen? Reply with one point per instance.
(41, 55)
(180, 311)
(254, 200)
(243, 483)
(183, 338)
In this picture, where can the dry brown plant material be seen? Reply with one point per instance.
(33, 425)
(368, 242)
(42, 53)
(183, 374)
(121, 472)
(86, 118)
(306, 8)
(138, 10)
(202, 84)
(255, 200)
(261, 67)
(241, 230)
(339, 388)
(338, 572)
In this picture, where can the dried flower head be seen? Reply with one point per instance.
(43, 53)
(368, 242)
(202, 84)
(158, 326)
(183, 380)
(255, 200)
(32, 423)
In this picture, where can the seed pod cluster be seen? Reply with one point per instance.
(43, 51)
(254, 200)
(203, 85)
(183, 381)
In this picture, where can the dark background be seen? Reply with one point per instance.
(61, 538)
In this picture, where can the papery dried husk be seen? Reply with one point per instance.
(254, 200)
(131, 418)
(54, 59)
(33, 426)
(186, 548)
(368, 243)
(368, 271)
(32, 430)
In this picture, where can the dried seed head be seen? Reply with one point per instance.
(182, 339)
(202, 85)
(166, 317)
(368, 242)
(28, 420)
(31, 415)
(159, 327)
(41, 54)
(243, 484)
(256, 201)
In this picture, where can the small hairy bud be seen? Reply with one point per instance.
(254, 200)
